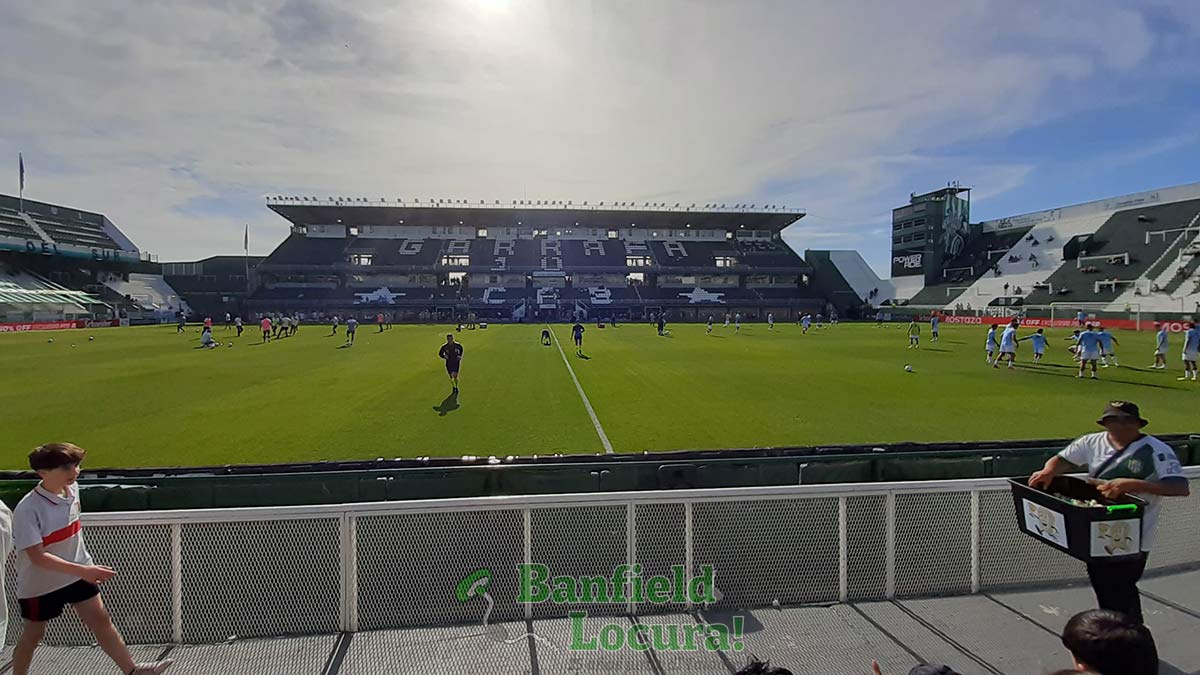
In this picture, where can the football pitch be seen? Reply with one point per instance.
(146, 396)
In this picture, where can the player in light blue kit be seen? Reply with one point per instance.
(1008, 345)
(1088, 350)
(1038, 340)
(992, 346)
(1106, 347)
(1191, 351)
(933, 327)
(1160, 347)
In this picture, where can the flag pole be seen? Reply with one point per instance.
(246, 255)
(21, 191)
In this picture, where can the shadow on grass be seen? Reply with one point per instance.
(448, 405)
(346, 345)
(1088, 376)
(581, 355)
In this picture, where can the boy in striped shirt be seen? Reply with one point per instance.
(54, 568)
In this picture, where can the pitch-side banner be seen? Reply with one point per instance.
(60, 325)
(1123, 324)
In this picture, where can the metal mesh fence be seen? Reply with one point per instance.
(933, 543)
(253, 579)
(360, 567)
(409, 565)
(763, 551)
(866, 552)
(580, 541)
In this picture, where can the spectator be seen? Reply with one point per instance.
(6, 544)
(54, 568)
(756, 667)
(1122, 460)
(1110, 643)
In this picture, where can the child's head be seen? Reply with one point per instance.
(57, 463)
(1109, 642)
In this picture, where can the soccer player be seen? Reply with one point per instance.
(1008, 345)
(208, 322)
(54, 568)
(770, 321)
(379, 321)
(737, 322)
(351, 327)
(238, 323)
(266, 328)
(336, 321)
(577, 334)
(1089, 350)
(206, 338)
(228, 321)
(1081, 317)
(388, 320)
(1074, 348)
(1191, 351)
(452, 353)
(285, 326)
(295, 323)
(1039, 344)
(992, 346)
(727, 319)
(805, 323)
(546, 337)
(1160, 347)
(879, 319)
(182, 320)
(914, 334)
(708, 330)
(933, 327)
(1107, 340)
(662, 324)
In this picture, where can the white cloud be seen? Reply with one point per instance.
(141, 108)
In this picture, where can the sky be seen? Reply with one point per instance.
(177, 118)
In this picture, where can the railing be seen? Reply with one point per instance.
(208, 575)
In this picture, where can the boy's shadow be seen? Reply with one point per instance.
(583, 356)
(448, 405)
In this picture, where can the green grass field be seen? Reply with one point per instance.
(147, 397)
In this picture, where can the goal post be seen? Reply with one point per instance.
(1067, 311)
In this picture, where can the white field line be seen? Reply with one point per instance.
(578, 387)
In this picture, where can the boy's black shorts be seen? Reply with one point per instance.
(51, 605)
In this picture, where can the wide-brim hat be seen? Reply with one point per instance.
(1123, 409)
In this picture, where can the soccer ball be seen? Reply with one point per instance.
(50, 341)
(91, 338)
(230, 345)
(908, 369)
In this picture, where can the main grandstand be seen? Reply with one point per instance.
(546, 261)
(62, 264)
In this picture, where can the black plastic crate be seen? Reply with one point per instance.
(1112, 531)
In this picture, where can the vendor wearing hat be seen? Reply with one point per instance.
(1122, 460)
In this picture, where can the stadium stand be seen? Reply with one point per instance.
(972, 264)
(1118, 251)
(150, 293)
(519, 259)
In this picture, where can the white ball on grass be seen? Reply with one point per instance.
(908, 369)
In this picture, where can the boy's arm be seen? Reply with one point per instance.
(48, 561)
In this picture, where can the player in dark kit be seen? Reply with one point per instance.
(452, 353)
(577, 333)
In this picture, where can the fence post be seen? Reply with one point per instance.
(687, 545)
(974, 541)
(843, 552)
(890, 511)
(348, 530)
(630, 547)
(527, 517)
(177, 583)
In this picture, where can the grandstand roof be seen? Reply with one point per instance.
(534, 215)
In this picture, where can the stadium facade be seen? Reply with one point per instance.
(534, 261)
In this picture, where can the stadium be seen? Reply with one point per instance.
(724, 382)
